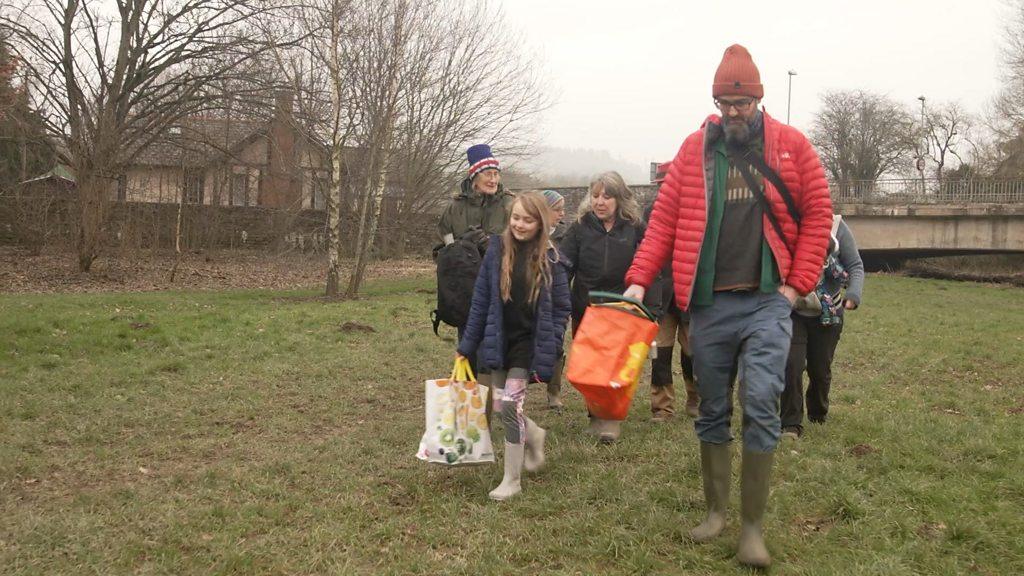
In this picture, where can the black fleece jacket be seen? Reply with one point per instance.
(598, 258)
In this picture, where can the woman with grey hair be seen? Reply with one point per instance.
(623, 204)
(600, 246)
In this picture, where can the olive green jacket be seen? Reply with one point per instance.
(469, 208)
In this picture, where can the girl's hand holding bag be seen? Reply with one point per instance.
(456, 423)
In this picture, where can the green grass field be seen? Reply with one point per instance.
(274, 433)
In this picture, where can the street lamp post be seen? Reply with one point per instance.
(921, 98)
(789, 97)
(924, 148)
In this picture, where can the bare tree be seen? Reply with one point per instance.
(114, 75)
(318, 71)
(1002, 153)
(409, 83)
(337, 146)
(24, 148)
(473, 85)
(376, 60)
(861, 136)
(1006, 117)
(948, 130)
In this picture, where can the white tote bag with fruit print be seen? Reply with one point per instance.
(456, 421)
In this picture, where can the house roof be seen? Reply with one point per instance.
(59, 172)
(198, 141)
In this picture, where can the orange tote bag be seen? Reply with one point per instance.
(608, 353)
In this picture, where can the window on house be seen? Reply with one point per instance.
(259, 188)
(194, 186)
(239, 189)
(321, 184)
(122, 188)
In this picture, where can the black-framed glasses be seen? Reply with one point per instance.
(740, 104)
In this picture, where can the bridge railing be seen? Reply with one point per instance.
(928, 191)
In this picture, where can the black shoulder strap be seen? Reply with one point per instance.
(758, 162)
(436, 321)
(744, 167)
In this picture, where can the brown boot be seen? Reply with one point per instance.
(662, 393)
(756, 471)
(692, 399)
(662, 403)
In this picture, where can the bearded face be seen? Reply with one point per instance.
(737, 132)
(738, 112)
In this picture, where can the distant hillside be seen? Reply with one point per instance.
(576, 166)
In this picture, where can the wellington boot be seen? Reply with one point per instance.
(533, 460)
(510, 485)
(756, 471)
(554, 401)
(716, 469)
(692, 399)
(555, 386)
(662, 403)
(662, 393)
(607, 430)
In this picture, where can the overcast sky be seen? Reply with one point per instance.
(634, 76)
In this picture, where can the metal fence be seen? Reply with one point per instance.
(928, 191)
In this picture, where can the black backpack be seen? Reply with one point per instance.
(457, 266)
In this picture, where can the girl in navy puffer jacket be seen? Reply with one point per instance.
(517, 319)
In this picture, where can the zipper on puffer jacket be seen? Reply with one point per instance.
(769, 157)
(700, 245)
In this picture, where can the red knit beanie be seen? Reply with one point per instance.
(737, 75)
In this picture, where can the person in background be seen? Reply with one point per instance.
(743, 248)
(517, 320)
(673, 325)
(481, 202)
(479, 209)
(599, 247)
(556, 202)
(816, 335)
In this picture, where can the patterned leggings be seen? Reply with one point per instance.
(511, 402)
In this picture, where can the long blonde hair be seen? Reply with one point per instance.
(539, 272)
(626, 206)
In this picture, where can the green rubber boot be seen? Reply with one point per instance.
(716, 469)
(757, 467)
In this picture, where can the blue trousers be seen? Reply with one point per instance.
(744, 334)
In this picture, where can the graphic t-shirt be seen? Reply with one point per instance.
(738, 260)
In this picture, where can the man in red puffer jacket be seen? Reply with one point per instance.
(741, 256)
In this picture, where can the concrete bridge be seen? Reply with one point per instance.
(888, 235)
(896, 220)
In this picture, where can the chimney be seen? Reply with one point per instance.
(282, 186)
(284, 101)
